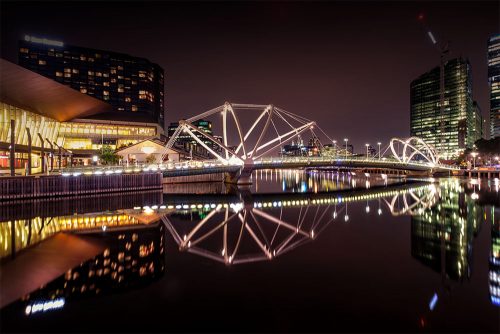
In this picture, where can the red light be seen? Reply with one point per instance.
(420, 17)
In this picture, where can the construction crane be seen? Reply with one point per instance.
(443, 49)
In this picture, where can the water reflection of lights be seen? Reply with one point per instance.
(433, 302)
(44, 306)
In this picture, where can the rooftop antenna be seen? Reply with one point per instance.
(443, 49)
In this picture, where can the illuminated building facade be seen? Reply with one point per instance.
(458, 130)
(477, 131)
(494, 82)
(53, 115)
(133, 86)
(47, 127)
(85, 137)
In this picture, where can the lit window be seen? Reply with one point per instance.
(113, 71)
(105, 83)
(23, 50)
(59, 74)
(105, 92)
(67, 70)
(67, 75)
(127, 99)
(42, 62)
(120, 89)
(83, 58)
(83, 90)
(76, 70)
(134, 108)
(90, 72)
(120, 68)
(113, 80)
(99, 74)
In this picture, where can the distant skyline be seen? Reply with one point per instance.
(347, 65)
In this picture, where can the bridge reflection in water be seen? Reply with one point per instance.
(238, 228)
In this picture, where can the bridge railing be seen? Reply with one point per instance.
(375, 161)
(138, 168)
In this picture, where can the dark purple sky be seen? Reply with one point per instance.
(347, 65)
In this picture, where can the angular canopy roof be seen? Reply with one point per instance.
(33, 92)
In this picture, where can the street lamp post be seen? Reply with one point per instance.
(367, 145)
(474, 155)
(346, 140)
(379, 143)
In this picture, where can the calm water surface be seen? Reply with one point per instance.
(297, 251)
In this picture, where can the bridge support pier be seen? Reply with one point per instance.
(241, 177)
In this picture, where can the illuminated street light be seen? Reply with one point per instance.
(474, 155)
(367, 145)
(379, 143)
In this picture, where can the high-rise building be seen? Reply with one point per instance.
(457, 130)
(133, 86)
(477, 116)
(187, 143)
(494, 81)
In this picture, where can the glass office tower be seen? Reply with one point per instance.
(459, 130)
(494, 81)
(133, 86)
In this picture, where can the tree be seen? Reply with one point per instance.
(487, 150)
(150, 159)
(108, 156)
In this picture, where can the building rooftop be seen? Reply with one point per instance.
(33, 92)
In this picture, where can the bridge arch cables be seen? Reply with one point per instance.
(248, 131)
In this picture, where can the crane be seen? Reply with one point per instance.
(443, 49)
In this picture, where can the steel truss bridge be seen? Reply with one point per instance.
(259, 131)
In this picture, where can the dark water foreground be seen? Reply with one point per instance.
(298, 252)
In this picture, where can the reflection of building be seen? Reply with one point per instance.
(458, 130)
(133, 86)
(494, 274)
(134, 257)
(441, 236)
(20, 234)
(494, 81)
(52, 114)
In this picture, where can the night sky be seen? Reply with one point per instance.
(347, 65)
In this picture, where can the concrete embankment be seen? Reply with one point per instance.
(24, 187)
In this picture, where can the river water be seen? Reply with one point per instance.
(296, 251)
